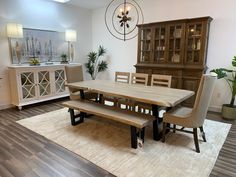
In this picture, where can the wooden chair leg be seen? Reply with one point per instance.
(203, 133)
(164, 132)
(142, 134)
(196, 140)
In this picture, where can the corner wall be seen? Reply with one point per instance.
(41, 14)
(221, 47)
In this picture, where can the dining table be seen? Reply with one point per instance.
(156, 96)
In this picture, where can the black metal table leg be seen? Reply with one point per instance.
(100, 98)
(82, 94)
(156, 133)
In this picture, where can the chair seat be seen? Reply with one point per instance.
(179, 116)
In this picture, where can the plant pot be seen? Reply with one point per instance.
(228, 112)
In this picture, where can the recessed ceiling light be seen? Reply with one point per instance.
(62, 1)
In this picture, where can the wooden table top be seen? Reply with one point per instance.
(161, 96)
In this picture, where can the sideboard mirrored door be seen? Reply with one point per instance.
(44, 83)
(60, 79)
(27, 85)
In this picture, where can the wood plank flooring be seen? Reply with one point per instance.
(225, 165)
(24, 153)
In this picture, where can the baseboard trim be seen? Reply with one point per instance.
(6, 106)
(215, 108)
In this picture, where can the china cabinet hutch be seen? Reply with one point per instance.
(32, 84)
(176, 48)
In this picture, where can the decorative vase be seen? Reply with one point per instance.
(228, 112)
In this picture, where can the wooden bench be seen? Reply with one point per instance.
(137, 121)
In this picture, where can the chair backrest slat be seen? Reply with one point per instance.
(139, 78)
(161, 80)
(123, 77)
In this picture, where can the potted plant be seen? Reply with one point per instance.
(64, 58)
(94, 65)
(228, 110)
(34, 61)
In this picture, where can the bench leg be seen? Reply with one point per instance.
(73, 117)
(133, 137)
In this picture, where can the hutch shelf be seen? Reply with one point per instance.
(176, 48)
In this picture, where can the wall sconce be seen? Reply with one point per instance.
(15, 31)
(70, 37)
(122, 18)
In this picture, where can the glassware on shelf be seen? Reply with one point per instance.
(175, 58)
(198, 44)
(177, 33)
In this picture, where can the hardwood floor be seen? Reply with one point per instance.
(24, 153)
(225, 165)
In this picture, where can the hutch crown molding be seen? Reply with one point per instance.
(177, 48)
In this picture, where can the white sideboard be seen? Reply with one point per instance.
(33, 84)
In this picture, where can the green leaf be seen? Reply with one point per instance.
(92, 57)
(90, 68)
(101, 51)
(102, 66)
(234, 61)
(221, 72)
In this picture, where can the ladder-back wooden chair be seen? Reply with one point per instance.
(156, 80)
(139, 78)
(136, 78)
(122, 77)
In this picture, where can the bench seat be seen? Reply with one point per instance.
(135, 120)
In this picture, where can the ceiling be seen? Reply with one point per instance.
(90, 4)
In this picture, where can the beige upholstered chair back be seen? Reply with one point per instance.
(202, 100)
(139, 78)
(74, 73)
(123, 77)
(161, 80)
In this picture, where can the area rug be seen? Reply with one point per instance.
(107, 144)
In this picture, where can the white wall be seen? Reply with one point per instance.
(41, 14)
(222, 42)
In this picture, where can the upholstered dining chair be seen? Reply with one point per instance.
(156, 80)
(122, 77)
(192, 118)
(74, 73)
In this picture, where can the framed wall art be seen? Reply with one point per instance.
(45, 45)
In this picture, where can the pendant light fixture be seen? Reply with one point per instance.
(122, 18)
